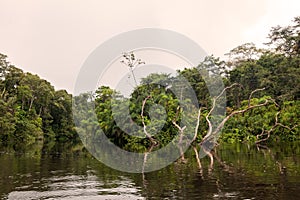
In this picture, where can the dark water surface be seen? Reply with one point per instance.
(240, 171)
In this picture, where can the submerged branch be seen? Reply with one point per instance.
(211, 157)
(198, 160)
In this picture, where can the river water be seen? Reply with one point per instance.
(239, 171)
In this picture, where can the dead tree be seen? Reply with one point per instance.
(153, 141)
(181, 131)
(145, 161)
(212, 134)
(210, 139)
(198, 160)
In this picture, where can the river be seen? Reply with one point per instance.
(240, 171)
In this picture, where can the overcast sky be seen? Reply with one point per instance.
(53, 38)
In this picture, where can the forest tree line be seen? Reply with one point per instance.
(31, 109)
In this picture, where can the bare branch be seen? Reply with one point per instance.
(181, 130)
(197, 125)
(177, 113)
(254, 91)
(294, 126)
(268, 133)
(226, 167)
(221, 125)
(226, 88)
(198, 160)
(210, 155)
(261, 134)
(145, 160)
(210, 128)
(284, 126)
(143, 121)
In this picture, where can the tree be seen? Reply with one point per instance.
(286, 39)
(62, 119)
(244, 53)
(31, 108)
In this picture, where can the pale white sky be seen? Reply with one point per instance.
(53, 38)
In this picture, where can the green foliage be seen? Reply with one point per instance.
(247, 126)
(158, 115)
(28, 126)
(31, 109)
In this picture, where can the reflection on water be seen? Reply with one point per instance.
(239, 172)
(78, 187)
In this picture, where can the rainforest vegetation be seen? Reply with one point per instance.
(262, 100)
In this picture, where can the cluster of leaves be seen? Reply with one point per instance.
(30, 107)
